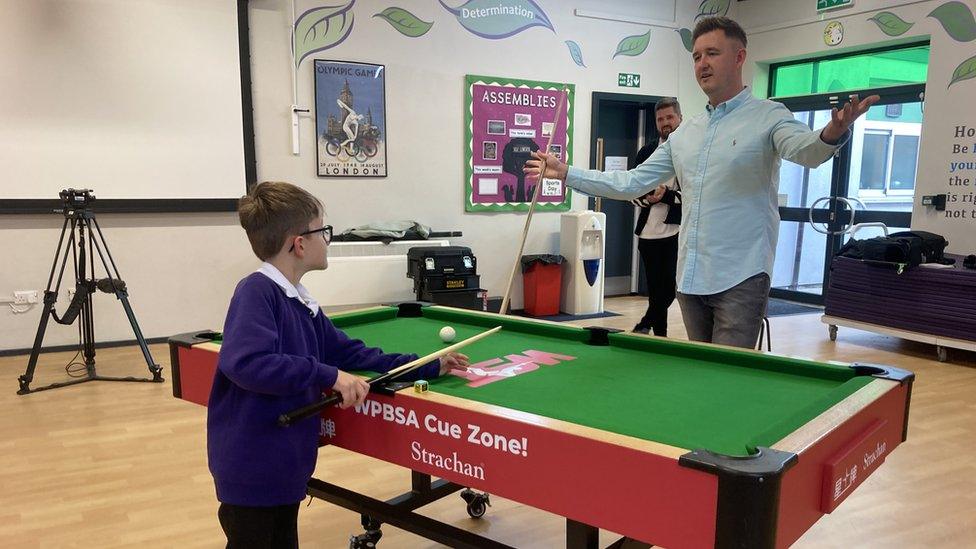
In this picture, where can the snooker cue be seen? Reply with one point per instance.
(535, 197)
(286, 419)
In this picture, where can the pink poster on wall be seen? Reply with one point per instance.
(506, 121)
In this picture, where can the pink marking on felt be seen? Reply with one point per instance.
(528, 361)
(540, 357)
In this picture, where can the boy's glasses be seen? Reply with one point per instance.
(326, 235)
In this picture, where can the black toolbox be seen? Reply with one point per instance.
(436, 268)
(446, 275)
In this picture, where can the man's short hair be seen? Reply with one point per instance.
(272, 211)
(728, 26)
(668, 102)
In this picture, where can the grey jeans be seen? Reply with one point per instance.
(732, 317)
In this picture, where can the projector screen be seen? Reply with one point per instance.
(133, 99)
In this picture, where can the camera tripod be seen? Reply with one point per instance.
(77, 209)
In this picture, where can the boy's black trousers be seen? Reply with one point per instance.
(260, 527)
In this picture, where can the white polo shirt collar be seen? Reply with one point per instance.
(295, 292)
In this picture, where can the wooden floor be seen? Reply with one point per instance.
(124, 464)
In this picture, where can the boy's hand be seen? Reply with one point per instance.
(352, 388)
(453, 361)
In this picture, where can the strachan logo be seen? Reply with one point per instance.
(449, 463)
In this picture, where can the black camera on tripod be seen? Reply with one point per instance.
(76, 200)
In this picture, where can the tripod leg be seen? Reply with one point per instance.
(25, 380)
(154, 368)
(88, 335)
(122, 295)
(50, 297)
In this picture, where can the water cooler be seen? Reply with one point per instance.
(581, 242)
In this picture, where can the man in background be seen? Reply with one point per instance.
(657, 229)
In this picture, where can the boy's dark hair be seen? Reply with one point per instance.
(272, 211)
(728, 26)
(668, 102)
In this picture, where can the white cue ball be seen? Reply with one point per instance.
(447, 334)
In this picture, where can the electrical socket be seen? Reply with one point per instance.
(25, 297)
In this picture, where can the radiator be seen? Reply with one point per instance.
(362, 273)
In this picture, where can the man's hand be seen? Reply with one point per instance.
(657, 195)
(650, 198)
(352, 388)
(841, 119)
(554, 168)
(453, 361)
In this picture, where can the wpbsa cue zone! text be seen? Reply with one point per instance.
(471, 433)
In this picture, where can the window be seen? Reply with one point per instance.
(888, 163)
(874, 160)
(860, 71)
(903, 162)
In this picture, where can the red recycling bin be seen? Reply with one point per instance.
(541, 281)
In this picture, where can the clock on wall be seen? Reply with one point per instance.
(833, 33)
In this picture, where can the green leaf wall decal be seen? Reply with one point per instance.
(708, 8)
(405, 22)
(321, 28)
(575, 52)
(891, 24)
(965, 71)
(685, 38)
(957, 21)
(633, 45)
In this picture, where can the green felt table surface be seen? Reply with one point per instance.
(677, 393)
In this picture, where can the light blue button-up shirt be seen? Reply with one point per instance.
(727, 161)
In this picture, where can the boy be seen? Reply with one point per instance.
(279, 353)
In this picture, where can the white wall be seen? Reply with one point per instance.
(425, 95)
(181, 269)
(780, 30)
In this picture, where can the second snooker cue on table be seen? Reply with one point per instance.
(286, 419)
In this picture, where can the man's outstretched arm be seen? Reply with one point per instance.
(621, 185)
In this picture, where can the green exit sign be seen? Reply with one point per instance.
(628, 80)
(824, 5)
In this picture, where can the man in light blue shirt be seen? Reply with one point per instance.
(727, 159)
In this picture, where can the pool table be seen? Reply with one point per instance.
(662, 441)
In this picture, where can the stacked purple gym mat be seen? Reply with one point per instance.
(936, 301)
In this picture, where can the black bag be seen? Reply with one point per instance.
(931, 247)
(911, 248)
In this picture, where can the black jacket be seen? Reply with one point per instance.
(669, 198)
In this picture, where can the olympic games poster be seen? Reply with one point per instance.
(350, 119)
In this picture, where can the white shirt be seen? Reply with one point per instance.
(655, 227)
(296, 292)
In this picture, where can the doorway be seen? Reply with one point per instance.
(873, 173)
(871, 179)
(620, 125)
